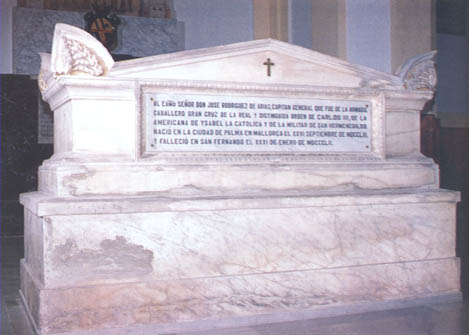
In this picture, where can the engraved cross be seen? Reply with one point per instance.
(269, 64)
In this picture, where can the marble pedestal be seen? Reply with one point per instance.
(186, 263)
(128, 235)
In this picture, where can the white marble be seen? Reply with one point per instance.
(237, 297)
(184, 122)
(175, 241)
(184, 175)
(71, 53)
(410, 316)
(125, 237)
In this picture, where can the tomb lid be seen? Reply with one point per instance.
(264, 61)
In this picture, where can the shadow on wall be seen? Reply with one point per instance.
(454, 175)
(21, 154)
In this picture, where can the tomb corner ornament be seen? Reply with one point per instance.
(75, 52)
(44, 73)
(419, 72)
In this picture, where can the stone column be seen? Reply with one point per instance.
(411, 29)
(329, 27)
(271, 19)
(381, 34)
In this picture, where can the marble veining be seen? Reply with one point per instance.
(430, 316)
(235, 242)
(206, 298)
(120, 243)
(201, 179)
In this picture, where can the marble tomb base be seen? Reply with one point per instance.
(110, 263)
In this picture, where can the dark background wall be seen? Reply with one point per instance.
(21, 154)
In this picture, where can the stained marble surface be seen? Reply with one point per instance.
(203, 243)
(177, 265)
(33, 31)
(447, 319)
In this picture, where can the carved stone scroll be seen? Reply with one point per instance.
(44, 73)
(419, 72)
(74, 51)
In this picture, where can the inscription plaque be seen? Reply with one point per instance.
(190, 122)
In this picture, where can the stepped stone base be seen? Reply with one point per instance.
(97, 264)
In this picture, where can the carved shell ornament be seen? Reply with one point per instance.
(74, 51)
(44, 72)
(419, 72)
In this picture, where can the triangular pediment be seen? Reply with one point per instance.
(75, 52)
(248, 62)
